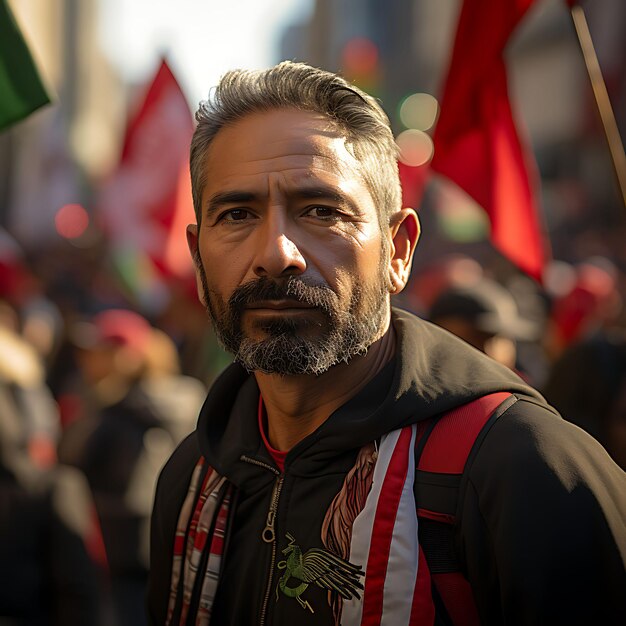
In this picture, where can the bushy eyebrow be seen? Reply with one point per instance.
(329, 194)
(318, 192)
(227, 197)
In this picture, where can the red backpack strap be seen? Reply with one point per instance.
(442, 453)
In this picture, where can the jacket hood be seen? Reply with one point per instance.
(432, 372)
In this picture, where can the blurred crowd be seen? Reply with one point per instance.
(95, 393)
(94, 397)
(567, 337)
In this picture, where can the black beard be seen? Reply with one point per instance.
(287, 350)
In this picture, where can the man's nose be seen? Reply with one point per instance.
(277, 253)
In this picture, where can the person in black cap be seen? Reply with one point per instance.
(485, 315)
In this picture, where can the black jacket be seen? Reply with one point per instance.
(542, 533)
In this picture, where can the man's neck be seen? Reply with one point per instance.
(297, 405)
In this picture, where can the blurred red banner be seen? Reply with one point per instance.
(146, 203)
(476, 141)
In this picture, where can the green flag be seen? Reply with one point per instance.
(21, 89)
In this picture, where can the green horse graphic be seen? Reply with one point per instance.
(317, 567)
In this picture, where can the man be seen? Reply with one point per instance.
(279, 508)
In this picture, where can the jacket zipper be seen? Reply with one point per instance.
(269, 536)
(269, 533)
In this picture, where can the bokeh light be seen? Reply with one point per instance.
(419, 111)
(71, 221)
(416, 147)
(360, 57)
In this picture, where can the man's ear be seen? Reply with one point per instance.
(192, 243)
(404, 232)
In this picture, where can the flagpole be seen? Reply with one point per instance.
(603, 102)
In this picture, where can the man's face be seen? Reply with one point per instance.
(290, 254)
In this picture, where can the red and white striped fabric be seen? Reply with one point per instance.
(199, 526)
(384, 540)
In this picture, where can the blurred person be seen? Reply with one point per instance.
(32, 317)
(296, 500)
(587, 383)
(585, 299)
(533, 305)
(137, 408)
(175, 396)
(485, 315)
(48, 537)
(23, 372)
(38, 319)
(42, 325)
(175, 399)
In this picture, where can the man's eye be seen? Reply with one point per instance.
(235, 215)
(322, 212)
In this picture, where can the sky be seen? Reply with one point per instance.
(201, 38)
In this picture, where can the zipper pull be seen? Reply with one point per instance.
(269, 535)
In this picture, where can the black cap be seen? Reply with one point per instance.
(488, 306)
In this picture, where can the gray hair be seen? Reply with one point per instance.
(296, 85)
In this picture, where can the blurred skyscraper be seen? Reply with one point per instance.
(47, 160)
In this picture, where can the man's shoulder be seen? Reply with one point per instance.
(543, 513)
(529, 428)
(532, 447)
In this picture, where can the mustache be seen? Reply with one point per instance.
(302, 290)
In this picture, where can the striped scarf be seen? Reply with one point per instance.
(201, 523)
(384, 541)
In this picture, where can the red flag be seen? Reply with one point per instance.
(147, 202)
(476, 141)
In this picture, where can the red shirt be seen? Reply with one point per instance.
(277, 455)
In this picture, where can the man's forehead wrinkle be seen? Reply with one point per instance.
(334, 151)
(312, 157)
(323, 155)
(310, 167)
(292, 175)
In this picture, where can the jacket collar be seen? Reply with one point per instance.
(431, 372)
